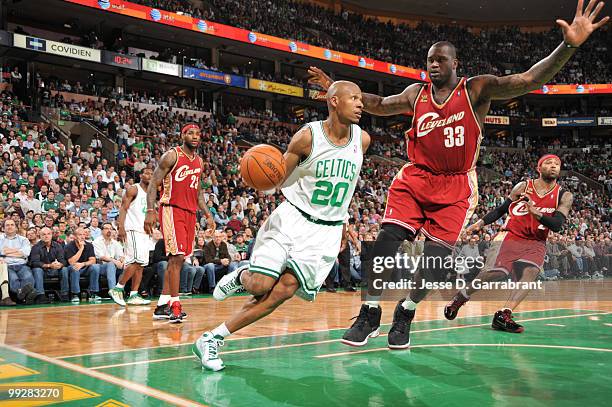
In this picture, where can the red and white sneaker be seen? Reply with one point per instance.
(176, 313)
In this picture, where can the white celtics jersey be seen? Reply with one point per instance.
(135, 217)
(326, 179)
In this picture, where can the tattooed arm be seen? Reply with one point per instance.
(166, 163)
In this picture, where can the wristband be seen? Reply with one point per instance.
(569, 45)
(150, 210)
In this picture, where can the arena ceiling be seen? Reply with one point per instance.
(479, 10)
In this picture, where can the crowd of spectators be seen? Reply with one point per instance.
(404, 44)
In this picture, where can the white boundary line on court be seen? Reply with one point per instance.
(137, 387)
(297, 333)
(294, 345)
(443, 345)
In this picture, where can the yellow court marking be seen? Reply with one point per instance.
(11, 370)
(112, 403)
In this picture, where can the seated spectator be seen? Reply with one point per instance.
(217, 259)
(16, 250)
(81, 257)
(47, 259)
(109, 253)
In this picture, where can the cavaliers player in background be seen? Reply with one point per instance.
(436, 193)
(534, 208)
(180, 170)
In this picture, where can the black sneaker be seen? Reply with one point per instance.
(365, 326)
(502, 321)
(399, 334)
(162, 312)
(452, 308)
(24, 292)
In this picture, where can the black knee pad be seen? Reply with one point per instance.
(436, 259)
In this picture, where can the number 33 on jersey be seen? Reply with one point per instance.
(444, 138)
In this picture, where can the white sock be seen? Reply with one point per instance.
(132, 293)
(174, 299)
(120, 286)
(163, 299)
(409, 305)
(221, 331)
(372, 304)
(464, 293)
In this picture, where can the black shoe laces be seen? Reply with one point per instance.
(362, 318)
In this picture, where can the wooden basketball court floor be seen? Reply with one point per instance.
(104, 355)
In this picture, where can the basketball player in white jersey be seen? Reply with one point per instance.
(297, 246)
(137, 242)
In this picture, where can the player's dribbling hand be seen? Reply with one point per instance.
(149, 222)
(582, 26)
(318, 77)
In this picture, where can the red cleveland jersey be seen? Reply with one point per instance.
(521, 224)
(444, 138)
(180, 186)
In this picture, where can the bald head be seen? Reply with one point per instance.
(341, 88)
(451, 50)
(344, 99)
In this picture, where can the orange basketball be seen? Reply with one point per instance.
(263, 167)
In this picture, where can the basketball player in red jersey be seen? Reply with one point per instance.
(436, 193)
(180, 170)
(534, 208)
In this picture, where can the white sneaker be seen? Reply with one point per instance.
(117, 295)
(228, 286)
(206, 348)
(136, 299)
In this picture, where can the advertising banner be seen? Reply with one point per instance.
(165, 68)
(214, 77)
(56, 48)
(604, 121)
(274, 87)
(502, 120)
(576, 121)
(549, 122)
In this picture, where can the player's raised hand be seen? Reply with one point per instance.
(318, 77)
(583, 24)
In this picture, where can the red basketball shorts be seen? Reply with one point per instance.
(178, 228)
(439, 205)
(507, 249)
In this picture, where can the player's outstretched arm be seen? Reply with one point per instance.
(167, 161)
(492, 87)
(130, 195)
(374, 104)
